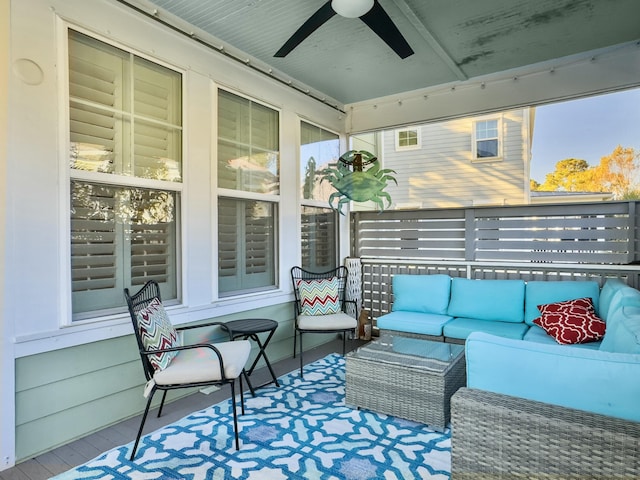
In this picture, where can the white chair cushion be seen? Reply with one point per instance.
(201, 364)
(335, 321)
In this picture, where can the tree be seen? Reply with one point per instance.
(570, 175)
(617, 173)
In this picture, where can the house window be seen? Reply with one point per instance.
(486, 139)
(125, 158)
(408, 139)
(246, 245)
(319, 238)
(248, 188)
(319, 149)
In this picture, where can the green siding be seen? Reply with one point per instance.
(66, 394)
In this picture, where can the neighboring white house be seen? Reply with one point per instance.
(467, 161)
(481, 160)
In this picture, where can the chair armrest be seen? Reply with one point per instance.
(201, 325)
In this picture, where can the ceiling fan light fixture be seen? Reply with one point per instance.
(351, 8)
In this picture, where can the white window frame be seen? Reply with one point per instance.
(115, 180)
(415, 129)
(235, 194)
(475, 140)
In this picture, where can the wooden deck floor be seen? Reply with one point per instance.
(80, 451)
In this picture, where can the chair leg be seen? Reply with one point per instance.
(301, 362)
(344, 343)
(295, 333)
(241, 393)
(144, 418)
(164, 395)
(235, 414)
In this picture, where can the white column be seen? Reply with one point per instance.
(7, 380)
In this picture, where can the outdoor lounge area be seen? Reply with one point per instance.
(226, 153)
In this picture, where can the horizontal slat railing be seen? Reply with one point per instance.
(592, 241)
(377, 274)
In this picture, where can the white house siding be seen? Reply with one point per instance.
(443, 173)
(71, 379)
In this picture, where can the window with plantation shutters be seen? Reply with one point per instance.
(125, 125)
(248, 185)
(319, 149)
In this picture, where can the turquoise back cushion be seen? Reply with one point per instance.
(623, 331)
(496, 300)
(581, 378)
(609, 289)
(421, 293)
(543, 292)
(626, 296)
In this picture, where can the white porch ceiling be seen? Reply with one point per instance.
(453, 40)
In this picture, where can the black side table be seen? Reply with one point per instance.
(249, 328)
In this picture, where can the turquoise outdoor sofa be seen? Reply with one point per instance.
(440, 307)
(533, 408)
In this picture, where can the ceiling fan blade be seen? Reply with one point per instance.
(311, 25)
(379, 21)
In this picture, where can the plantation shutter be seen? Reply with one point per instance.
(125, 119)
(96, 247)
(319, 239)
(153, 239)
(318, 149)
(246, 245)
(228, 253)
(97, 91)
(157, 133)
(248, 161)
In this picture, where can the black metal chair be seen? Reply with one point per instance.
(331, 316)
(195, 365)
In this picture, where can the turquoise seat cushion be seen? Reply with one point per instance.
(609, 289)
(421, 293)
(494, 300)
(413, 322)
(623, 331)
(537, 334)
(461, 328)
(543, 292)
(580, 378)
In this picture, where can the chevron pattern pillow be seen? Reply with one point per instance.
(157, 332)
(319, 297)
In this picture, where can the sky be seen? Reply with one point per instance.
(586, 129)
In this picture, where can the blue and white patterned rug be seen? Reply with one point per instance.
(301, 430)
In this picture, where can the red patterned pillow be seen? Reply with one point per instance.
(572, 321)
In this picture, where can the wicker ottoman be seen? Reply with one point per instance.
(406, 377)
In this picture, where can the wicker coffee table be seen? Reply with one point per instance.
(406, 377)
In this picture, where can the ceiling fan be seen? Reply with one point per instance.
(369, 11)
